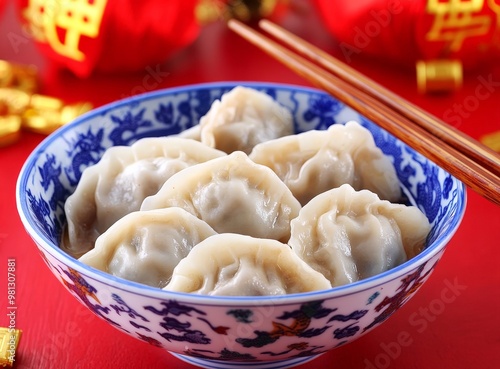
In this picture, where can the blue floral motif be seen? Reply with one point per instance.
(122, 307)
(323, 108)
(351, 329)
(130, 124)
(185, 109)
(165, 114)
(241, 315)
(50, 173)
(174, 308)
(186, 334)
(373, 297)
(171, 324)
(355, 315)
(430, 191)
(441, 225)
(85, 151)
(138, 326)
(345, 332)
(447, 186)
(50, 227)
(204, 101)
(270, 91)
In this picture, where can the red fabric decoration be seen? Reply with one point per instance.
(109, 35)
(405, 31)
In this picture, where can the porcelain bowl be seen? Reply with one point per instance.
(228, 332)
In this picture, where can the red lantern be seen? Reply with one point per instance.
(109, 35)
(442, 34)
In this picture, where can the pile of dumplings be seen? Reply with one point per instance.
(240, 206)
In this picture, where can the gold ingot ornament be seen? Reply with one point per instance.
(9, 340)
(21, 107)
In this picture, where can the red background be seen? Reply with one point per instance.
(452, 322)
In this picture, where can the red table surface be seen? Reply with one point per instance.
(452, 322)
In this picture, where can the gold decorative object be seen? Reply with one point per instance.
(9, 340)
(440, 75)
(21, 107)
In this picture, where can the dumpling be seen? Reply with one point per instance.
(120, 181)
(146, 246)
(233, 195)
(348, 235)
(237, 265)
(193, 133)
(242, 118)
(316, 161)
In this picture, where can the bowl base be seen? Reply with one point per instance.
(218, 364)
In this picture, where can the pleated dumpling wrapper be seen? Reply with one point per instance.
(243, 118)
(350, 235)
(120, 181)
(316, 161)
(146, 246)
(237, 265)
(233, 195)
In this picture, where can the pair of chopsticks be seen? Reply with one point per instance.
(474, 164)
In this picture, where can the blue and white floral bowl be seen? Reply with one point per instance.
(225, 332)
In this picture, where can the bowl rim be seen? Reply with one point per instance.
(44, 243)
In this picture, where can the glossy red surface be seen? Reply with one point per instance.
(452, 322)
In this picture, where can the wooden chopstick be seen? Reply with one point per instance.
(454, 137)
(480, 179)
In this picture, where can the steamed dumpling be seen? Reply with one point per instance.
(121, 180)
(348, 235)
(233, 195)
(193, 133)
(146, 246)
(316, 161)
(242, 118)
(237, 265)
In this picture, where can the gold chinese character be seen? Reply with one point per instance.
(456, 20)
(495, 7)
(62, 23)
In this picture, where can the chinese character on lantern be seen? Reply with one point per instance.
(456, 20)
(61, 24)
